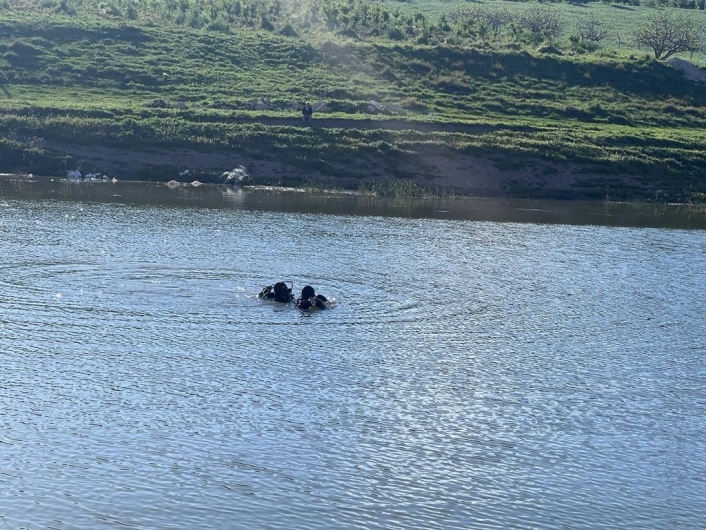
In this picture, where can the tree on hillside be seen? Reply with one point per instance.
(481, 20)
(668, 32)
(541, 21)
(591, 29)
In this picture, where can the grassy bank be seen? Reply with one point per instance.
(497, 119)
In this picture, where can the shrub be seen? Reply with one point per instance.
(24, 49)
(131, 11)
(394, 33)
(66, 8)
(157, 104)
(288, 30)
(266, 24)
(549, 48)
(574, 112)
(195, 20)
(12, 58)
(219, 24)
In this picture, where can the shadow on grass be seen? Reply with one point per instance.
(63, 34)
(645, 78)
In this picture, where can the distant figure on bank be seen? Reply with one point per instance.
(310, 300)
(279, 292)
(307, 111)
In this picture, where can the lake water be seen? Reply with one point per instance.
(487, 364)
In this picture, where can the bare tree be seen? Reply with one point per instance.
(482, 19)
(591, 29)
(668, 32)
(541, 21)
(496, 18)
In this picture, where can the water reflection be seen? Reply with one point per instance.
(293, 201)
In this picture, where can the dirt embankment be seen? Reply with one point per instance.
(435, 168)
(466, 174)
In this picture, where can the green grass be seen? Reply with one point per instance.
(88, 79)
(619, 19)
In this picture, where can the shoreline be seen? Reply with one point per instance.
(433, 172)
(332, 191)
(317, 201)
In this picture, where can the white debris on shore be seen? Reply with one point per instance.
(235, 177)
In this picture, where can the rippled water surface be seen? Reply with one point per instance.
(475, 372)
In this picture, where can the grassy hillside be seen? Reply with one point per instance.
(619, 18)
(73, 77)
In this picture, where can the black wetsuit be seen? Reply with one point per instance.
(318, 301)
(278, 292)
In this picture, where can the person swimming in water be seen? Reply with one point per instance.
(278, 292)
(310, 300)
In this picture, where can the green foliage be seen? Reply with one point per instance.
(400, 188)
